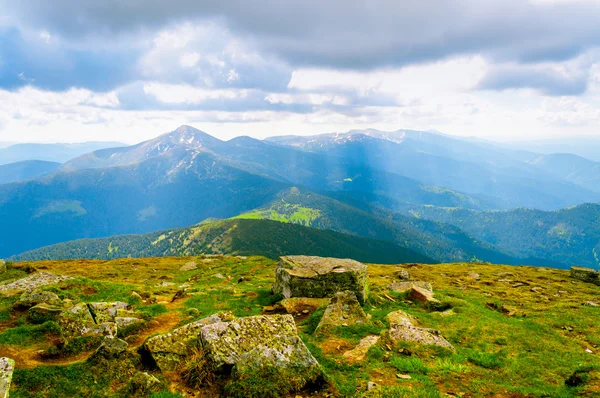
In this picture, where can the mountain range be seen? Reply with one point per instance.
(441, 197)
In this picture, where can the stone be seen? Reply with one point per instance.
(371, 385)
(7, 367)
(358, 353)
(402, 327)
(405, 287)
(142, 383)
(169, 349)
(33, 281)
(426, 297)
(251, 344)
(218, 276)
(591, 304)
(190, 266)
(319, 277)
(106, 311)
(111, 348)
(587, 275)
(34, 297)
(403, 376)
(41, 313)
(343, 310)
(3, 267)
(136, 295)
(473, 275)
(295, 305)
(127, 325)
(77, 321)
(402, 274)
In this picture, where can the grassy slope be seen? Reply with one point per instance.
(530, 354)
(238, 236)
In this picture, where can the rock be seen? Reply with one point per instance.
(402, 327)
(106, 311)
(474, 275)
(77, 321)
(358, 353)
(591, 304)
(169, 349)
(41, 313)
(219, 276)
(7, 367)
(405, 287)
(136, 295)
(2, 266)
(343, 310)
(402, 274)
(111, 348)
(295, 305)
(371, 385)
(128, 325)
(403, 376)
(34, 297)
(33, 281)
(318, 277)
(251, 344)
(142, 384)
(190, 266)
(426, 297)
(587, 275)
(536, 289)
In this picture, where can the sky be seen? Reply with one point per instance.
(129, 70)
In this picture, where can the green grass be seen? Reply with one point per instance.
(27, 335)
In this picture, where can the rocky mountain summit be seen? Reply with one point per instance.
(248, 327)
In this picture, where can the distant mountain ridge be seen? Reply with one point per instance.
(59, 153)
(239, 237)
(26, 170)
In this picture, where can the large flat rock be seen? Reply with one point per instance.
(402, 327)
(588, 275)
(319, 277)
(343, 310)
(32, 281)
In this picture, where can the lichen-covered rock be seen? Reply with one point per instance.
(358, 353)
(169, 349)
(297, 305)
(255, 341)
(587, 275)
(2, 266)
(403, 328)
(7, 367)
(128, 325)
(406, 286)
(402, 274)
(143, 384)
(34, 297)
(106, 311)
(41, 313)
(33, 281)
(111, 348)
(318, 277)
(190, 266)
(77, 321)
(343, 310)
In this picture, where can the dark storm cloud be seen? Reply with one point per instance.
(339, 34)
(549, 82)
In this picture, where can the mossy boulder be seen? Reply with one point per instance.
(343, 310)
(111, 348)
(256, 342)
(41, 313)
(7, 367)
(33, 297)
(587, 275)
(318, 277)
(77, 321)
(169, 349)
(106, 311)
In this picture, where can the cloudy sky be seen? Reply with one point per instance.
(129, 70)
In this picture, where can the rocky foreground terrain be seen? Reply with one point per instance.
(301, 327)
